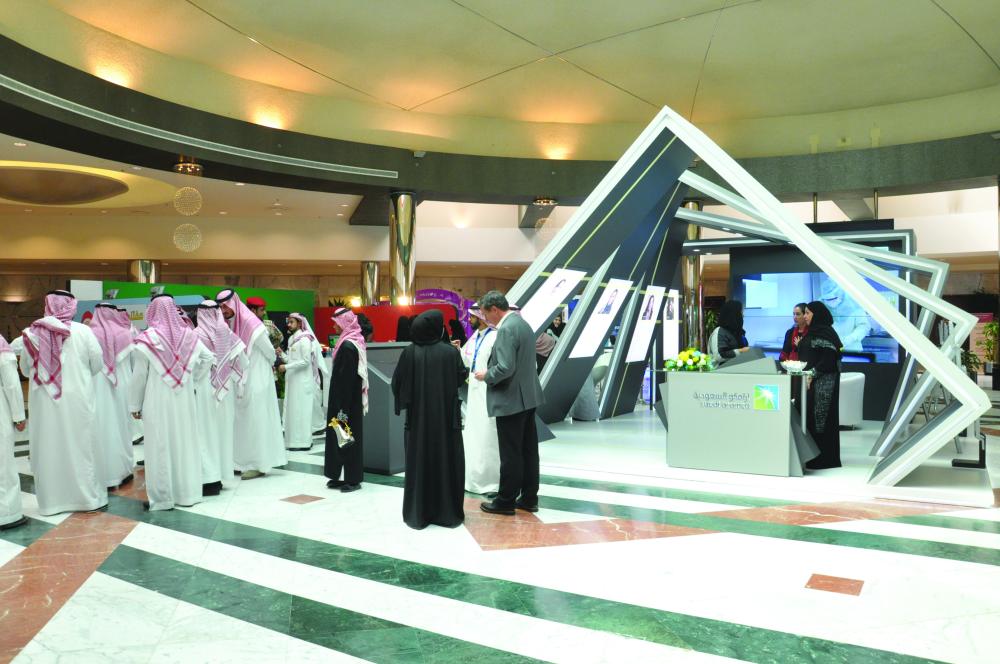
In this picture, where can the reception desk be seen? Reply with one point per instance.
(737, 420)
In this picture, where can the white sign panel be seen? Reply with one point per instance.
(672, 325)
(645, 325)
(556, 290)
(597, 327)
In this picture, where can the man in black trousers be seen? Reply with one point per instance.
(513, 393)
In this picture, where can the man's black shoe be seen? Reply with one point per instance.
(493, 508)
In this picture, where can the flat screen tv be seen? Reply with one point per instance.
(768, 300)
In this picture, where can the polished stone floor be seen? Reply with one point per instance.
(626, 561)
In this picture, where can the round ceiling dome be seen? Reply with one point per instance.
(39, 186)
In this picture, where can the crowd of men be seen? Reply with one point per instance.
(203, 397)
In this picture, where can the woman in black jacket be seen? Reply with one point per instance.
(732, 338)
(821, 350)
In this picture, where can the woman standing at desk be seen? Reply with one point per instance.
(729, 338)
(820, 349)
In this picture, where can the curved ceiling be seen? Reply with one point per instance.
(556, 79)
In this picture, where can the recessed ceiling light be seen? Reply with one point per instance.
(104, 264)
(344, 205)
(27, 210)
(340, 265)
(137, 168)
(697, 250)
(104, 211)
(506, 267)
(240, 184)
(223, 212)
(727, 230)
(340, 214)
(20, 144)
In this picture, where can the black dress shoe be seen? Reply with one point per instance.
(299, 449)
(347, 488)
(211, 489)
(491, 495)
(493, 508)
(141, 462)
(127, 479)
(335, 484)
(145, 506)
(527, 508)
(14, 524)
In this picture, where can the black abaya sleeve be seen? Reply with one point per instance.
(343, 378)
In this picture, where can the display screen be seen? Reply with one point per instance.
(556, 290)
(768, 300)
(597, 327)
(645, 324)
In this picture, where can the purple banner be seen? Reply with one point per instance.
(442, 296)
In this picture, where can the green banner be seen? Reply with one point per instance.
(302, 301)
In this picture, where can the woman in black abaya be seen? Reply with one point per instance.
(820, 349)
(425, 385)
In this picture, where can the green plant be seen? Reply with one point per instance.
(339, 302)
(711, 322)
(989, 341)
(971, 361)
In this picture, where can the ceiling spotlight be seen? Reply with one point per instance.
(727, 230)
(223, 212)
(188, 166)
(344, 205)
(544, 202)
(27, 210)
(340, 214)
(697, 250)
(20, 144)
(137, 168)
(240, 184)
(278, 214)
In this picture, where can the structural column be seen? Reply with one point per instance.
(402, 266)
(692, 293)
(369, 283)
(144, 271)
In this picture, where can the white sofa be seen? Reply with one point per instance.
(852, 399)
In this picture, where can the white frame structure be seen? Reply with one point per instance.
(846, 263)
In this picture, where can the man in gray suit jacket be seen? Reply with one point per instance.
(512, 395)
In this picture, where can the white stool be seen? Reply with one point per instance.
(852, 399)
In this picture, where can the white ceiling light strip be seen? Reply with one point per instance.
(187, 141)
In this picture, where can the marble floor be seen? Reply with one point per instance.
(626, 561)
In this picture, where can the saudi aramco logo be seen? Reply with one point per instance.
(765, 397)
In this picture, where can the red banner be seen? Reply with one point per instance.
(384, 319)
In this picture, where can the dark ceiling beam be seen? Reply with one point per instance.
(913, 168)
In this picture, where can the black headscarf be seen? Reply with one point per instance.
(403, 328)
(731, 317)
(458, 331)
(822, 324)
(427, 328)
(366, 326)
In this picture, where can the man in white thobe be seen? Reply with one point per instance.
(482, 448)
(258, 443)
(216, 394)
(115, 457)
(11, 417)
(61, 359)
(302, 383)
(170, 359)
